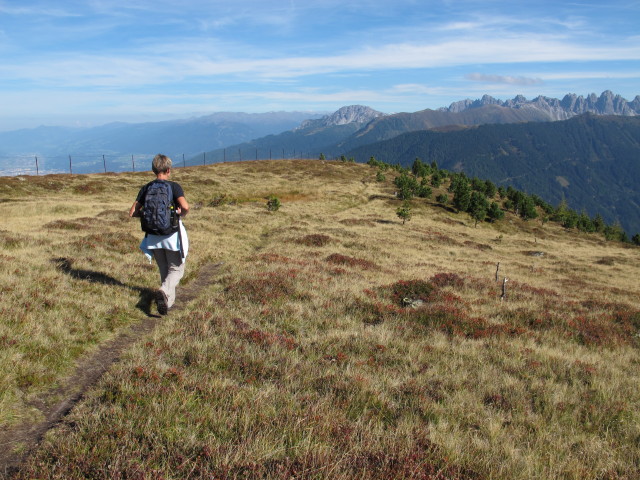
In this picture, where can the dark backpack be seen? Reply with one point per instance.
(158, 213)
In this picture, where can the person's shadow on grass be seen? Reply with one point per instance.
(146, 295)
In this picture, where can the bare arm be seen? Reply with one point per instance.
(183, 207)
(134, 211)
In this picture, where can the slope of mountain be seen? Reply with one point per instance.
(310, 137)
(590, 161)
(490, 110)
(185, 136)
(321, 135)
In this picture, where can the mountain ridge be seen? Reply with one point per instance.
(571, 104)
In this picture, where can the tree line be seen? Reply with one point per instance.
(484, 201)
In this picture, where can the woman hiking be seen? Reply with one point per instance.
(161, 205)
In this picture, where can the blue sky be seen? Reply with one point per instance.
(94, 61)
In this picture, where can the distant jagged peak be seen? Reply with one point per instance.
(353, 114)
(350, 114)
(571, 104)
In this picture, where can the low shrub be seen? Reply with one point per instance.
(314, 240)
(339, 259)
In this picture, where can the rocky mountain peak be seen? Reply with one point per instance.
(345, 115)
(571, 105)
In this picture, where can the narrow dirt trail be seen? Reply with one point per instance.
(57, 403)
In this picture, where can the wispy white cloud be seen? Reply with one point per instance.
(584, 75)
(194, 62)
(506, 79)
(250, 52)
(36, 11)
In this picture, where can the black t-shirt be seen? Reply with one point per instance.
(175, 188)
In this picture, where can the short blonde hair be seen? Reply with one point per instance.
(161, 163)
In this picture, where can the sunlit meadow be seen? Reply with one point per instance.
(333, 342)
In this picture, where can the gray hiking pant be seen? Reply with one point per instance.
(171, 271)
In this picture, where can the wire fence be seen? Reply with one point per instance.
(32, 164)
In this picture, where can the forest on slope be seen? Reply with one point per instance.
(591, 162)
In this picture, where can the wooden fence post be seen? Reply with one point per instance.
(504, 289)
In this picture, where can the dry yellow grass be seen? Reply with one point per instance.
(299, 359)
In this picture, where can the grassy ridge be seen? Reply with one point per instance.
(302, 358)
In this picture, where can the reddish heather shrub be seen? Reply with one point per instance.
(477, 246)
(442, 280)
(264, 288)
(497, 400)
(339, 259)
(78, 224)
(357, 221)
(519, 290)
(314, 240)
(413, 289)
(375, 313)
(90, 188)
(589, 332)
(120, 243)
(263, 338)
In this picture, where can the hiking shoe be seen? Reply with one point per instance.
(162, 302)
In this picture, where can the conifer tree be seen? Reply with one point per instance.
(527, 207)
(598, 223)
(490, 189)
(495, 212)
(404, 212)
(462, 194)
(478, 207)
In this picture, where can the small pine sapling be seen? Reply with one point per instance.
(404, 212)
(273, 203)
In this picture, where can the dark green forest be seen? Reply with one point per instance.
(484, 201)
(588, 162)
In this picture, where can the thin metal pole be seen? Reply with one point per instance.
(204, 158)
(183, 164)
(104, 162)
(37, 166)
(225, 155)
(133, 164)
(70, 169)
(256, 154)
(239, 155)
